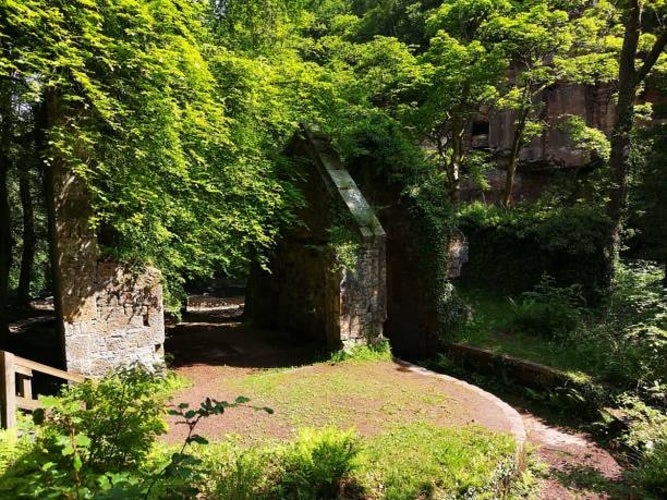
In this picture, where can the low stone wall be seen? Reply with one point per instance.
(121, 322)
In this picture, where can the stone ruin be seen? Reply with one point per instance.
(109, 315)
(304, 288)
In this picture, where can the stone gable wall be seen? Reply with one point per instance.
(306, 291)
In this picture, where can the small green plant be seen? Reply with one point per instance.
(317, 464)
(244, 478)
(380, 350)
(548, 310)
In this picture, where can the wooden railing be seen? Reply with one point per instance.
(16, 385)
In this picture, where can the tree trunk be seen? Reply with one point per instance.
(629, 79)
(5, 227)
(29, 239)
(44, 113)
(621, 141)
(514, 157)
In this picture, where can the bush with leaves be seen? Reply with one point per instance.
(93, 438)
(97, 440)
(627, 341)
(548, 310)
(647, 434)
(316, 465)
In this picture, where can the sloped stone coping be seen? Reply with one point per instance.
(515, 421)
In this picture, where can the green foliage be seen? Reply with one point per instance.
(548, 310)
(377, 351)
(242, 477)
(410, 460)
(430, 215)
(647, 434)
(120, 416)
(97, 440)
(647, 216)
(514, 248)
(345, 247)
(162, 123)
(622, 341)
(317, 464)
(586, 138)
(91, 441)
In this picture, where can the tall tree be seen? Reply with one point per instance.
(144, 120)
(644, 40)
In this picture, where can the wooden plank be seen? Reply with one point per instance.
(22, 370)
(24, 385)
(7, 390)
(32, 365)
(27, 404)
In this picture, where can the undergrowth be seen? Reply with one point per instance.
(98, 440)
(616, 353)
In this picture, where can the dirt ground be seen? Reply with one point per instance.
(213, 347)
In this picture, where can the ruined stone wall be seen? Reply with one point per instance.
(306, 290)
(125, 325)
(108, 315)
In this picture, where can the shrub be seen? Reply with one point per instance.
(96, 440)
(513, 248)
(648, 435)
(317, 464)
(548, 310)
(93, 438)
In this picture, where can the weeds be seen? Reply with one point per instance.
(377, 351)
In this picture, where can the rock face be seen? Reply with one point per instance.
(554, 147)
(326, 279)
(109, 316)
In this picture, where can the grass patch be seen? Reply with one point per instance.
(419, 460)
(379, 351)
(371, 394)
(492, 328)
(415, 460)
(623, 342)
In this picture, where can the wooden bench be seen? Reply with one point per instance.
(16, 385)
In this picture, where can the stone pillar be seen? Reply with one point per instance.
(109, 315)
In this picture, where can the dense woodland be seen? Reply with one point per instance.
(176, 115)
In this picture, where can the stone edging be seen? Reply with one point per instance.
(517, 428)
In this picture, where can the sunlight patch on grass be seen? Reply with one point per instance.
(338, 394)
(422, 460)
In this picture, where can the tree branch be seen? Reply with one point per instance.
(652, 57)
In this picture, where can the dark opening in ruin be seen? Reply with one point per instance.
(480, 127)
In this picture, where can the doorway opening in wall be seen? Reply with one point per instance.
(214, 330)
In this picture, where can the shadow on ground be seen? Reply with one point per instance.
(578, 477)
(217, 338)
